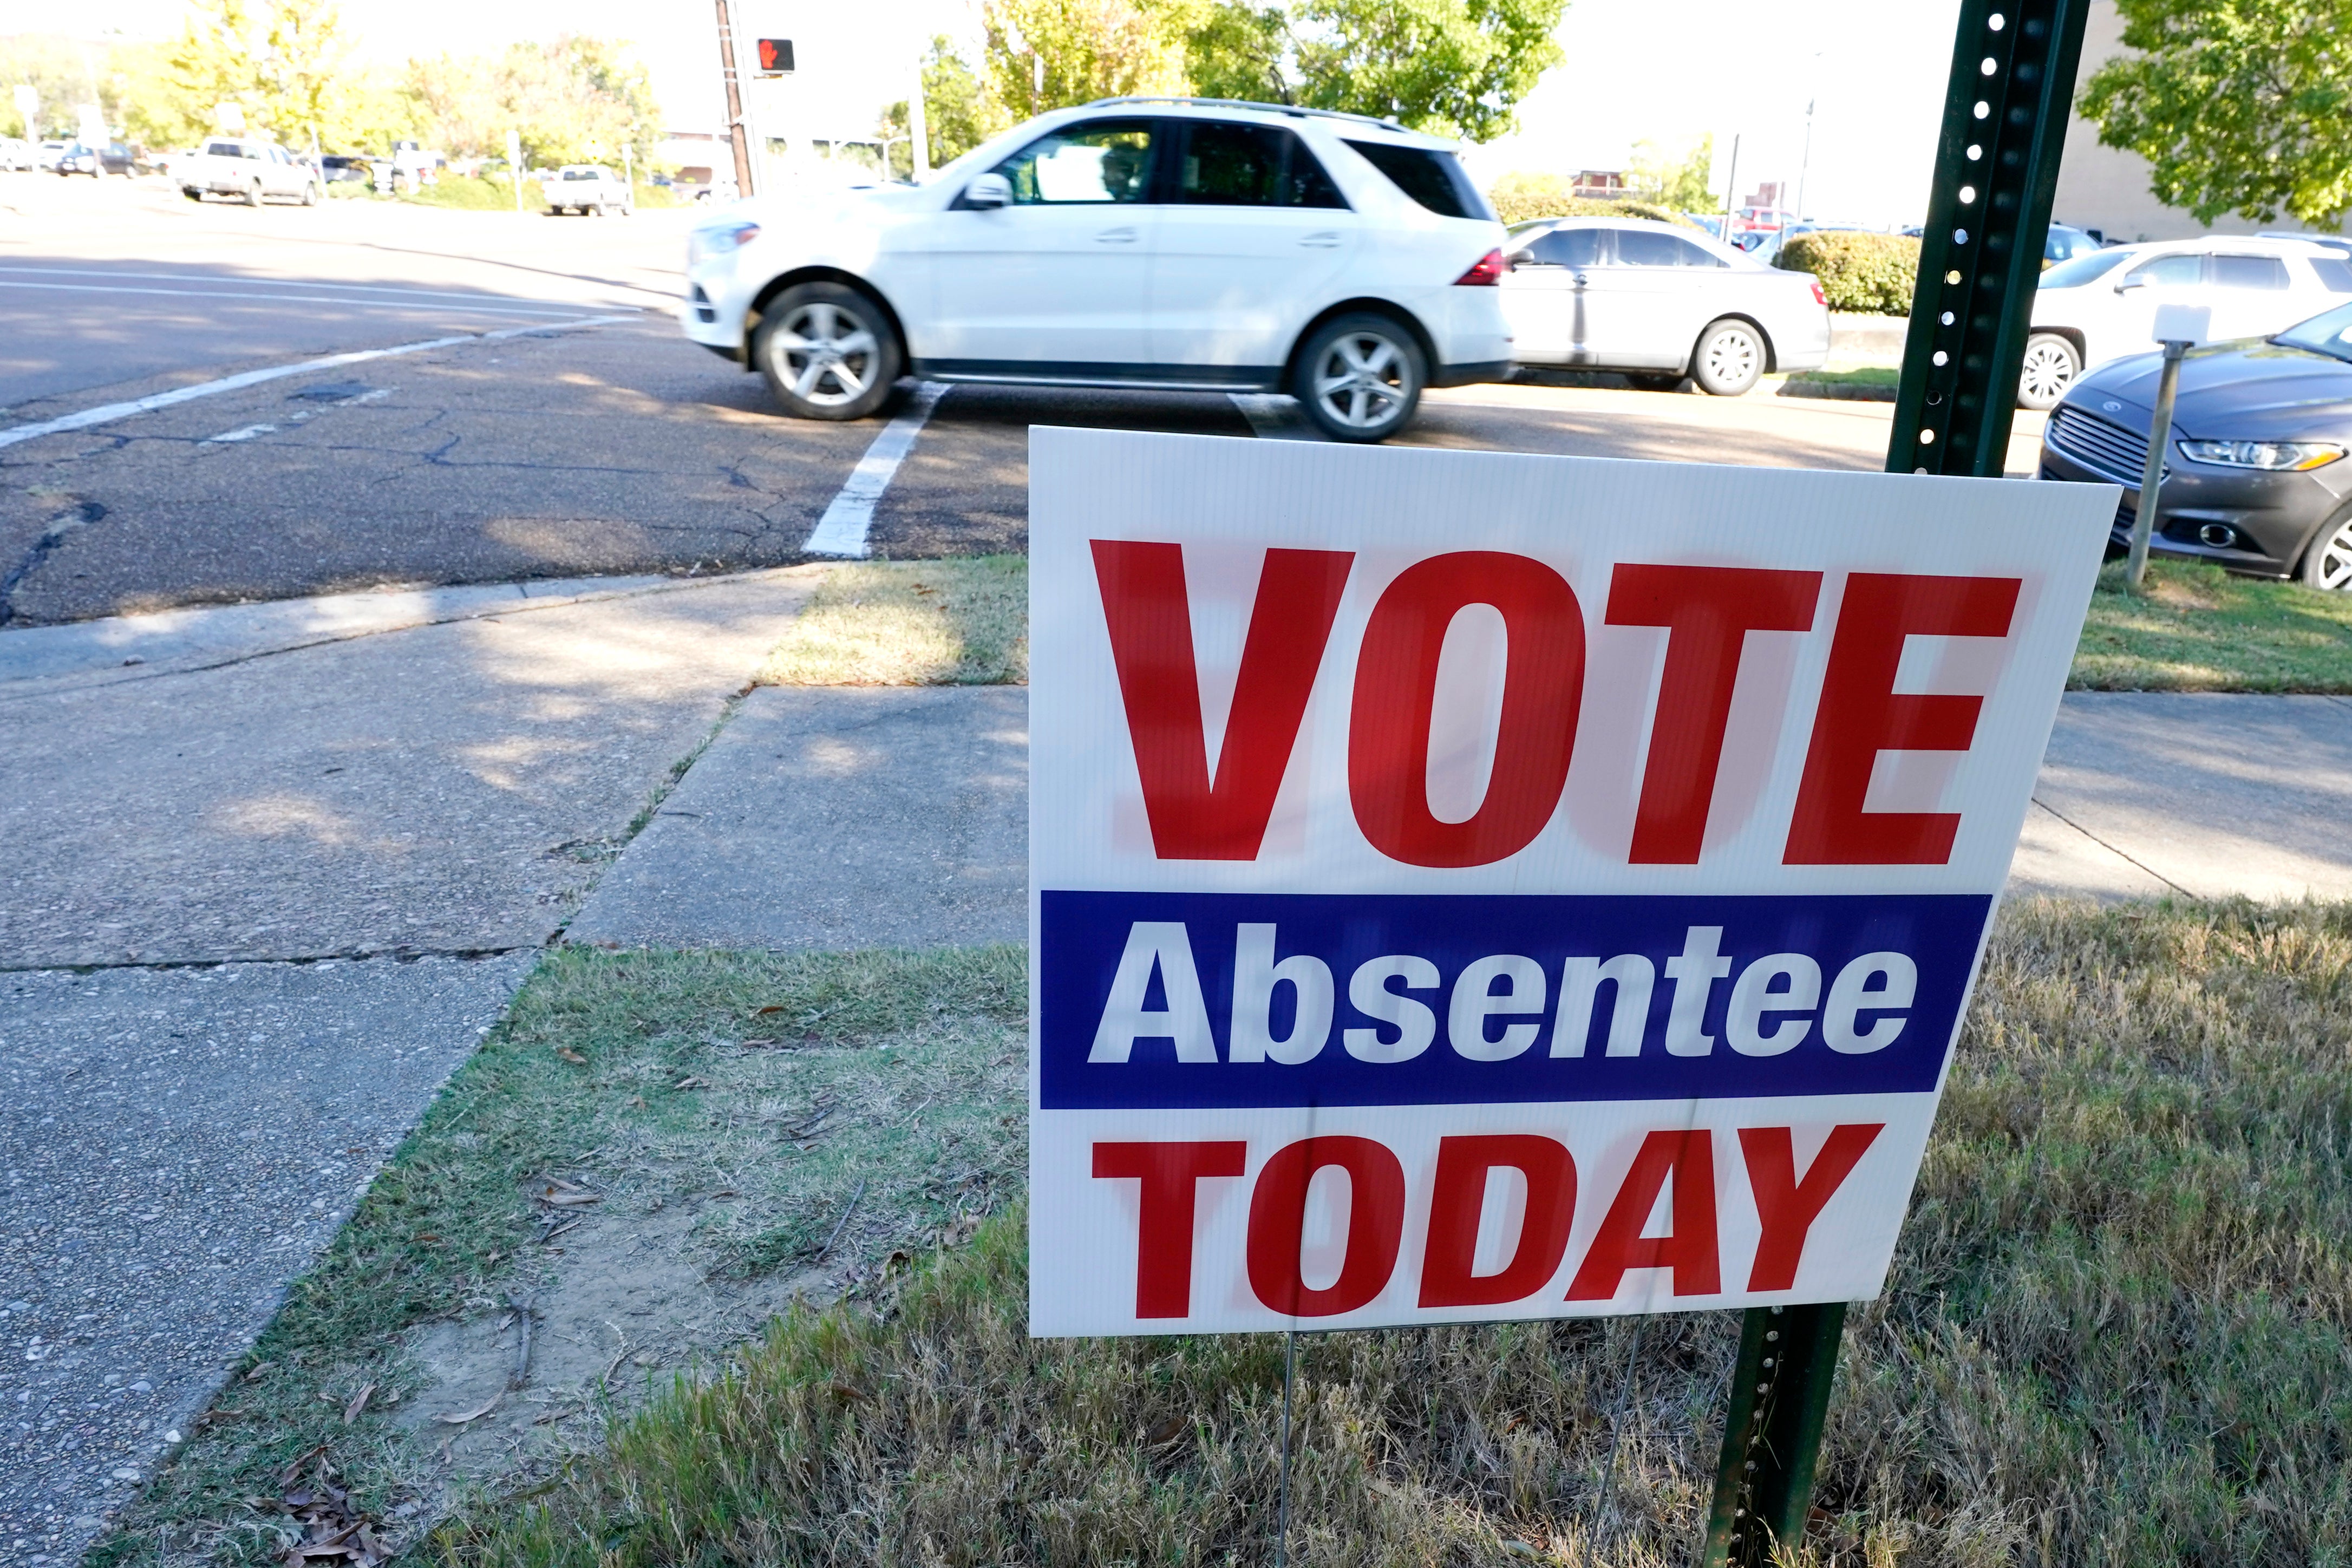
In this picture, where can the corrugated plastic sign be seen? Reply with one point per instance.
(1470, 886)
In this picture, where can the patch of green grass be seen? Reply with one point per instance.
(2200, 629)
(2119, 1329)
(1862, 375)
(649, 1072)
(911, 623)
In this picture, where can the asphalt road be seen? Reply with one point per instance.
(535, 446)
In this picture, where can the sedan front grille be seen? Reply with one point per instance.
(2113, 450)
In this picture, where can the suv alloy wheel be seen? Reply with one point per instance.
(1360, 378)
(828, 352)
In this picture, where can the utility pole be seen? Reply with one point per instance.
(918, 133)
(735, 129)
(1805, 166)
(1731, 193)
(2005, 105)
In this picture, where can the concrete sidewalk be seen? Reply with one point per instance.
(302, 853)
(850, 818)
(2145, 794)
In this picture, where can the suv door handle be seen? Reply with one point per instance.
(1116, 237)
(1580, 279)
(1322, 238)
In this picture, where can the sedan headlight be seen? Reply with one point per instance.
(2293, 455)
(718, 239)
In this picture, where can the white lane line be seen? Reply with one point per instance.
(474, 295)
(842, 529)
(246, 434)
(1273, 417)
(106, 414)
(532, 309)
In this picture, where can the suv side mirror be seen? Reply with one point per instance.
(989, 192)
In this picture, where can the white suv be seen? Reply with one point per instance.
(1174, 243)
(2101, 305)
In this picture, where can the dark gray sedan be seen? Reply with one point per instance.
(2256, 478)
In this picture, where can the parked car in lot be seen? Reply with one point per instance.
(585, 188)
(1660, 303)
(1175, 243)
(16, 154)
(114, 158)
(2256, 477)
(251, 171)
(46, 155)
(2101, 304)
(2065, 242)
(336, 168)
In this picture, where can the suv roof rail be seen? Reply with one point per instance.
(1292, 109)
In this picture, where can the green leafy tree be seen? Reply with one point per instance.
(574, 99)
(280, 62)
(1683, 180)
(1240, 50)
(958, 112)
(1049, 54)
(67, 73)
(1455, 67)
(2238, 105)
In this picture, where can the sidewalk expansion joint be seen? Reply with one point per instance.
(40, 686)
(344, 955)
(2113, 849)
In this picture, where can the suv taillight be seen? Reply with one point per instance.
(1819, 297)
(1487, 274)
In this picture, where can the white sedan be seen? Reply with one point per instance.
(1659, 303)
(2102, 306)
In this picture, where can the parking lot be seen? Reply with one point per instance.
(559, 424)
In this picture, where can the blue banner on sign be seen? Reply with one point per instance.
(1195, 999)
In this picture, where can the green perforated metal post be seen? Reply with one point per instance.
(2012, 82)
(1988, 218)
(1772, 1430)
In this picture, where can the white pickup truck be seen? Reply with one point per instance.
(249, 170)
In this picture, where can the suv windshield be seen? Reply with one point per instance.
(2329, 333)
(2089, 268)
(1430, 175)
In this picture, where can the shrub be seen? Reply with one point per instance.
(1869, 272)
(1517, 198)
(471, 193)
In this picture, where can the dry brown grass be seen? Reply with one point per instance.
(911, 623)
(2119, 1331)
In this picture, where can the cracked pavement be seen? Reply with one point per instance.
(611, 450)
(264, 893)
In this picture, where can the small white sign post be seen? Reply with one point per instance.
(1471, 886)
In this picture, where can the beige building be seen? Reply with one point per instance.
(2105, 188)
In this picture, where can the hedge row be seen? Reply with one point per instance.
(1867, 272)
(1518, 198)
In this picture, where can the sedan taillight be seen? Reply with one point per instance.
(1487, 274)
(1819, 297)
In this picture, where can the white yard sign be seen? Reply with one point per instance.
(1471, 886)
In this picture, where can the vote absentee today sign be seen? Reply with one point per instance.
(1471, 886)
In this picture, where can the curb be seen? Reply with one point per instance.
(1837, 391)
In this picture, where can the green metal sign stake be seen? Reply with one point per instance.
(2012, 82)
